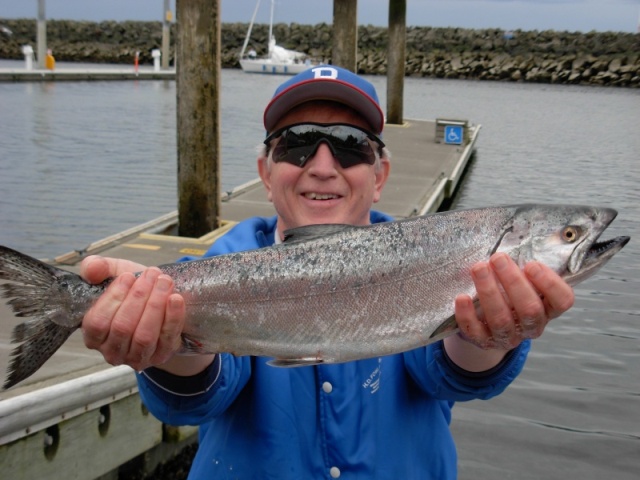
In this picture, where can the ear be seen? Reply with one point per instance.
(265, 174)
(382, 174)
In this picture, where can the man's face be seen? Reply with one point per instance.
(322, 191)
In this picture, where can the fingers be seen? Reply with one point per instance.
(154, 342)
(137, 321)
(522, 313)
(127, 318)
(514, 304)
(169, 340)
(472, 327)
(557, 295)
(97, 322)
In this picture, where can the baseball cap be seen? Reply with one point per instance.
(326, 82)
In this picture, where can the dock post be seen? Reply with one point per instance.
(155, 53)
(345, 34)
(166, 25)
(27, 51)
(198, 115)
(396, 60)
(41, 38)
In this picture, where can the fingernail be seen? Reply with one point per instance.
(499, 261)
(533, 270)
(127, 280)
(464, 301)
(151, 273)
(163, 283)
(175, 302)
(480, 271)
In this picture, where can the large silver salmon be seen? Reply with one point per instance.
(329, 293)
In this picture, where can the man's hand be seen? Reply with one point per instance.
(515, 305)
(138, 320)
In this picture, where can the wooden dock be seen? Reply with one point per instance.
(84, 74)
(77, 405)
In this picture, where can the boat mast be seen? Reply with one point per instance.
(246, 40)
(271, 27)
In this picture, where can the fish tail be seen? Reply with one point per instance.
(41, 341)
(54, 299)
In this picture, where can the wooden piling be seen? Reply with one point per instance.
(396, 60)
(198, 116)
(345, 34)
(41, 35)
(166, 26)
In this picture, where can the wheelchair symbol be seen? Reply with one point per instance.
(453, 134)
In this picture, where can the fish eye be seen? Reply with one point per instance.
(570, 234)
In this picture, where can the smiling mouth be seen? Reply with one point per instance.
(320, 196)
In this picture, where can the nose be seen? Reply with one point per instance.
(322, 162)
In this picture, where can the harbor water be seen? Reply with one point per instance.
(83, 160)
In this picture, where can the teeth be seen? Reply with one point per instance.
(320, 196)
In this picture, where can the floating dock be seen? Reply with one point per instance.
(84, 74)
(53, 424)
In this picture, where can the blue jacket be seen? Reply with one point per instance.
(381, 418)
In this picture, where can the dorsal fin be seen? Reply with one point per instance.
(313, 232)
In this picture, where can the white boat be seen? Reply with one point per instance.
(279, 60)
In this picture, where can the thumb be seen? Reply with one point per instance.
(96, 269)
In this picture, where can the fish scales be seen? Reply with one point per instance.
(329, 293)
(304, 300)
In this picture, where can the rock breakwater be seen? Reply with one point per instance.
(594, 58)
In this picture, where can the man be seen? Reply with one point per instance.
(388, 417)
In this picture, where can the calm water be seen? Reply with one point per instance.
(80, 161)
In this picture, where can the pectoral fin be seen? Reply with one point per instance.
(446, 328)
(295, 362)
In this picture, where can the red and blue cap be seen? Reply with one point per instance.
(326, 82)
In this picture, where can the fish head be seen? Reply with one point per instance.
(563, 237)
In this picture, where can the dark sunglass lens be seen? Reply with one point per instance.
(293, 148)
(281, 153)
(353, 146)
(348, 144)
(350, 156)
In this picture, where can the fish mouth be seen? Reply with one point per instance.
(596, 221)
(595, 257)
(601, 251)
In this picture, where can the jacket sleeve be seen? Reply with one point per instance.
(179, 400)
(431, 368)
(193, 400)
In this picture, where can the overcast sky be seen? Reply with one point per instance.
(571, 15)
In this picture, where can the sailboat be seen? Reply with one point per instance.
(279, 60)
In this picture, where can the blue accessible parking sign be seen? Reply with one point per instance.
(453, 134)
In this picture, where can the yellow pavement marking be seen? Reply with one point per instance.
(142, 246)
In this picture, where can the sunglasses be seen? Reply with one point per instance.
(350, 145)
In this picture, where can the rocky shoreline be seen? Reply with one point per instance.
(594, 58)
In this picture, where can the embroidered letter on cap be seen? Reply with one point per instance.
(331, 72)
